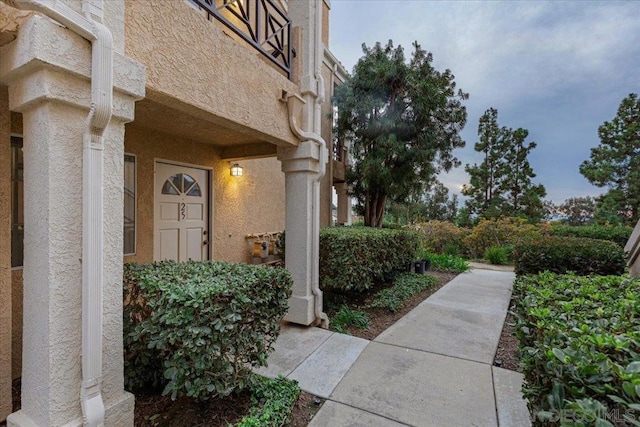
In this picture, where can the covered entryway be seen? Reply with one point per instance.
(181, 230)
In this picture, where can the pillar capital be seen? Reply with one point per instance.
(303, 158)
(60, 70)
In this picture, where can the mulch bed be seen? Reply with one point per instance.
(380, 319)
(507, 354)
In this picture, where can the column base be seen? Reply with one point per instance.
(117, 413)
(301, 310)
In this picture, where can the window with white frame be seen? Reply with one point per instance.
(129, 230)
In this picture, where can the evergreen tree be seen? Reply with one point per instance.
(501, 185)
(403, 119)
(484, 187)
(615, 163)
(521, 197)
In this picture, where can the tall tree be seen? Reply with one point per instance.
(615, 163)
(484, 187)
(521, 196)
(403, 119)
(502, 184)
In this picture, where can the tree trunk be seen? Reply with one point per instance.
(374, 210)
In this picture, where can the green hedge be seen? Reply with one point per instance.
(579, 348)
(563, 254)
(614, 233)
(197, 328)
(354, 258)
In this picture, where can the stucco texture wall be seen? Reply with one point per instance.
(5, 256)
(241, 205)
(206, 61)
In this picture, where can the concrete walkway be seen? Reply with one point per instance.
(431, 368)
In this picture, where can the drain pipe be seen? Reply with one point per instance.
(91, 28)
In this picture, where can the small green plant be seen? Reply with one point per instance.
(405, 285)
(272, 401)
(496, 255)
(448, 263)
(346, 317)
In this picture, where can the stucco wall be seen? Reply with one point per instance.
(241, 205)
(5, 256)
(209, 72)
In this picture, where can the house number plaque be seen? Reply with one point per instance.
(183, 210)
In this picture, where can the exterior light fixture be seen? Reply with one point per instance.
(236, 170)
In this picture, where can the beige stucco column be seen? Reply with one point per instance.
(301, 166)
(47, 69)
(5, 256)
(344, 203)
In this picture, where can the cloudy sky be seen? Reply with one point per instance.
(557, 68)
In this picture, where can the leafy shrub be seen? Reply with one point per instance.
(354, 258)
(579, 346)
(442, 236)
(614, 233)
(405, 285)
(272, 401)
(346, 317)
(563, 254)
(197, 328)
(447, 263)
(497, 255)
(500, 232)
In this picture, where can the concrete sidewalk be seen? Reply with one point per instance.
(431, 368)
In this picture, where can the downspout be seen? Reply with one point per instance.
(92, 187)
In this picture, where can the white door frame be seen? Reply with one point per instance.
(156, 189)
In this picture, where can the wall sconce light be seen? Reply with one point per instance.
(236, 170)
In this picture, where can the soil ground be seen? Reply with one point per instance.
(154, 410)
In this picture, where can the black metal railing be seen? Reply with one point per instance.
(261, 23)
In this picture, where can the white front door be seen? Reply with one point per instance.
(181, 213)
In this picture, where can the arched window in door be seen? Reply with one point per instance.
(181, 184)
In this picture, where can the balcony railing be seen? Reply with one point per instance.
(261, 23)
(339, 150)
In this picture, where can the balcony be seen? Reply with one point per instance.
(260, 23)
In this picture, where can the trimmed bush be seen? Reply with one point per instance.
(355, 258)
(500, 232)
(442, 237)
(614, 233)
(579, 348)
(197, 328)
(563, 254)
